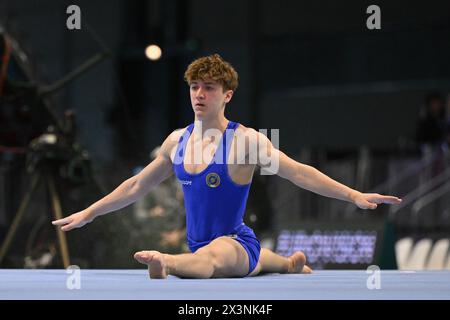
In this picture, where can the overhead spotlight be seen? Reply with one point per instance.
(153, 52)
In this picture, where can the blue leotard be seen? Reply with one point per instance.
(215, 204)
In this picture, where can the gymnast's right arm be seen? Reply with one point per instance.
(129, 191)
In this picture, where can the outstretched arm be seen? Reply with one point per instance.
(309, 178)
(129, 191)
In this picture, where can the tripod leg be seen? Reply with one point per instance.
(56, 204)
(18, 217)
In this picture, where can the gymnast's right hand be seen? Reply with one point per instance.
(76, 220)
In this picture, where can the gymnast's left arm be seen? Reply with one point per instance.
(311, 179)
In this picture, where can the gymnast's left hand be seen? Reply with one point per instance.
(371, 200)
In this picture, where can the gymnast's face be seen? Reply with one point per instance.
(208, 98)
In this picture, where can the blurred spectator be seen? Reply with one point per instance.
(447, 121)
(431, 127)
(161, 215)
(433, 133)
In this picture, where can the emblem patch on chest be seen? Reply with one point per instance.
(212, 180)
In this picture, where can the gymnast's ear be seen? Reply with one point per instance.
(228, 95)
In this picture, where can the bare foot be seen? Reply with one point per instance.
(157, 268)
(306, 269)
(296, 262)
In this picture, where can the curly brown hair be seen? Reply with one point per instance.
(214, 68)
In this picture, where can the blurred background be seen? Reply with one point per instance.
(82, 110)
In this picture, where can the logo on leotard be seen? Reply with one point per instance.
(186, 182)
(212, 180)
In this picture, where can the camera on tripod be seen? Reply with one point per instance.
(53, 156)
(52, 150)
